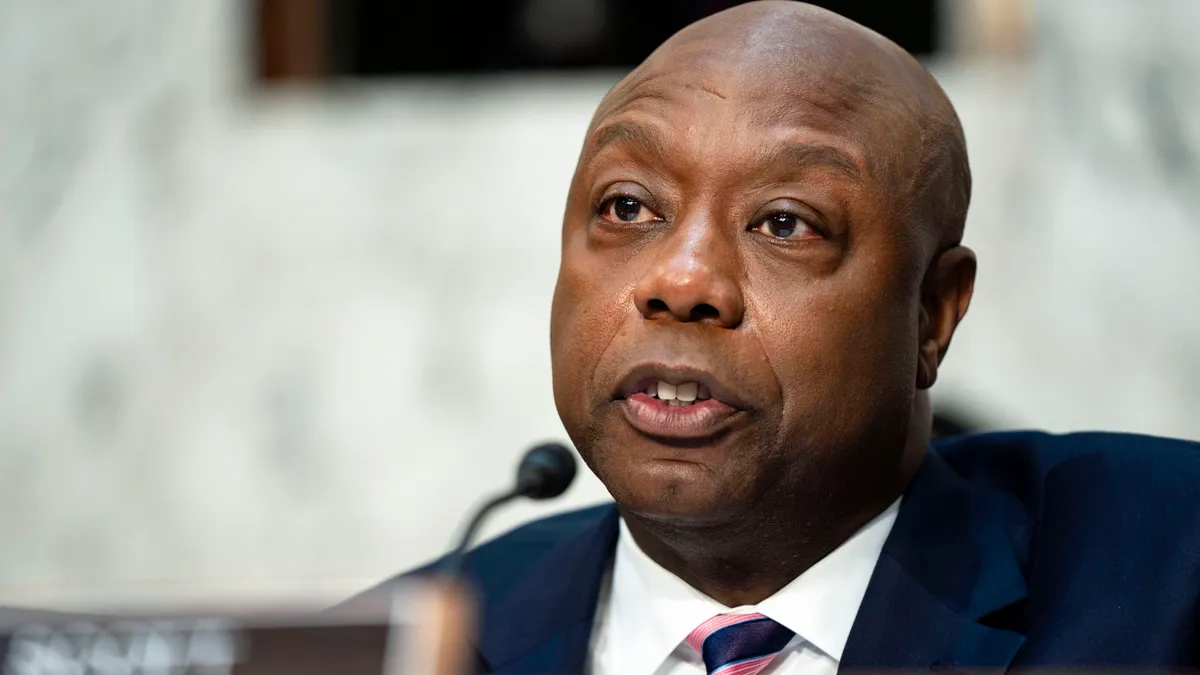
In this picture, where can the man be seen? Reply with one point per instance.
(761, 274)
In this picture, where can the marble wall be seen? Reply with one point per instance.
(275, 343)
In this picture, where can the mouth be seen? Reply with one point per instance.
(679, 403)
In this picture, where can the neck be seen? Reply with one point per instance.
(746, 562)
(747, 559)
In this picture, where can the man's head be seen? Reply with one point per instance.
(766, 212)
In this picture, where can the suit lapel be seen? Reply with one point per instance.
(947, 575)
(544, 624)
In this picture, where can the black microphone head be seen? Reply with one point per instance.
(546, 471)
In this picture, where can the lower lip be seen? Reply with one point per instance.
(654, 417)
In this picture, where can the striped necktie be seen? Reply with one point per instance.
(738, 644)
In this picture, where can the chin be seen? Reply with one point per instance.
(671, 490)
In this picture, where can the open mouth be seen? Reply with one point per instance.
(687, 393)
(675, 403)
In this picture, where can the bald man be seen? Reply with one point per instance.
(761, 274)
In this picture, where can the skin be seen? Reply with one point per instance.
(774, 198)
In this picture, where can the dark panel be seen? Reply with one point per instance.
(385, 37)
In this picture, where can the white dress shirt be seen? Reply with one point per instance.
(645, 612)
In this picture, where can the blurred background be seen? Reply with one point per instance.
(275, 274)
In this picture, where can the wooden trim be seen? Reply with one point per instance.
(989, 27)
(293, 39)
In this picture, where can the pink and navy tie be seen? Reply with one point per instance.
(739, 644)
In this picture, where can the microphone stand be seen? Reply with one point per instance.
(545, 472)
(457, 560)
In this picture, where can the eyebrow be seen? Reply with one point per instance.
(793, 154)
(646, 139)
(796, 154)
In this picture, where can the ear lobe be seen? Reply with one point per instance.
(945, 297)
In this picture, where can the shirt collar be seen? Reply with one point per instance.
(652, 610)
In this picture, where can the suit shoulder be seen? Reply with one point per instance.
(536, 536)
(1046, 452)
(518, 544)
(1029, 465)
(498, 560)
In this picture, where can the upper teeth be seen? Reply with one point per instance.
(686, 392)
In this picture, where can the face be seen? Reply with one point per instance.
(737, 310)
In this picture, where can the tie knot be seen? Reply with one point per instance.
(738, 644)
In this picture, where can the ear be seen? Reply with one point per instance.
(945, 296)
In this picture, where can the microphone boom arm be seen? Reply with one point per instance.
(457, 560)
(545, 472)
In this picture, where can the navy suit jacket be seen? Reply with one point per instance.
(1010, 551)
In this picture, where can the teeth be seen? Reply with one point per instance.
(681, 394)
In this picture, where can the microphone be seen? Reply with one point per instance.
(545, 472)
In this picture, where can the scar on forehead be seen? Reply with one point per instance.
(708, 89)
(649, 141)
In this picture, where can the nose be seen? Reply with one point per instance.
(692, 278)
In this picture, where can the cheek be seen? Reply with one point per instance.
(584, 318)
(842, 354)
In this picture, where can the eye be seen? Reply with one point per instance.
(783, 225)
(623, 209)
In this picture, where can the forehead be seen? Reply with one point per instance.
(744, 111)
